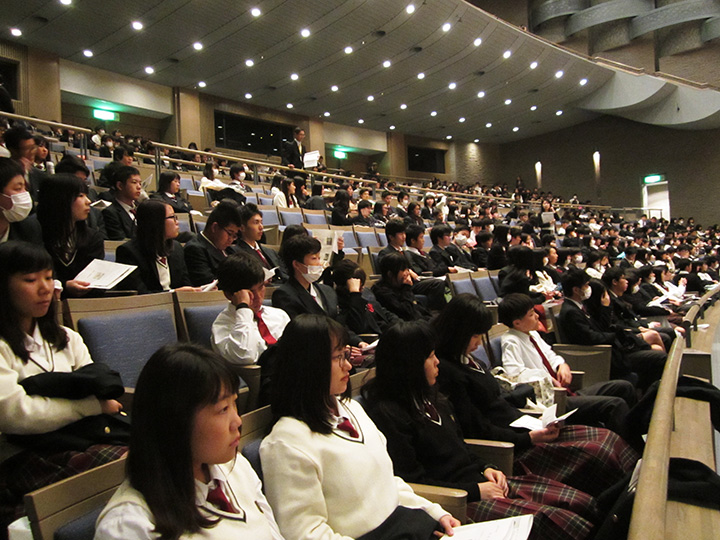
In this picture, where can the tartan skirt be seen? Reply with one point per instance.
(559, 511)
(587, 458)
(28, 471)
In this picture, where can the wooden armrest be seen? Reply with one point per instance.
(593, 360)
(578, 379)
(499, 453)
(560, 399)
(452, 500)
(126, 400)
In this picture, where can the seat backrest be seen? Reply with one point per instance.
(269, 215)
(553, 313)
(266, 200)
(367, 237)
(495, 279)
(315, 217)
(71, 506)
(187, 183)
(199, 321)
(485, 288)
(184, 222)
(185, 300)
(290, 216)
(251, 452)
(126, 341)
(461, 283)
(348, 235)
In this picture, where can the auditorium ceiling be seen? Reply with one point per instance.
(441, 69)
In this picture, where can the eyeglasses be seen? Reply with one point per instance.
(341, 357)
(232, 234)
(173, 217)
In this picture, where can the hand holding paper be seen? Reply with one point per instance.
(548, 418)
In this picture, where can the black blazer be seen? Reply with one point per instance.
(363, 314)
(180, 205)
(271, 256)
(202, 259)
(420, 264)
(295, 300)
(27, 230)
(291, 154)
(579, 328)
(443, 259)
(88, 248)
(144, 278)
(118, 224)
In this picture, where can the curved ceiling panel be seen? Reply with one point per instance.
(556, 9)
(607, 12)
(681, 12)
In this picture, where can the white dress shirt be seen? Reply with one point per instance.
(521, 359)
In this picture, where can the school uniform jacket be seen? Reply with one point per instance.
(144, 278)
(118, 223)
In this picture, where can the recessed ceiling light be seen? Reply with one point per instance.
(508, 101)
(255, 12)
(202, 84)
(88, 53)
(66, 2)
(488, 125)
(289, 105)
(294, 76)
(461, 119)
(361, 121)
(249, 63)
(476, 141)
(392, 127)
(403, 106)
(452, 86)
(149, 70)
(410, 9)
(371, 98)
(434, 113)
(248, 96)
(448, 137)
(326, 114)
(387, 63)
(421, 75)
(507, 54)
(533, 108)
(559, 74)
(137, 25)
(477, 42)
(348, 50)
(533, 65)
(583, 82)
(558, 113)
(334, 88)
(516, 129)
(16, 32)
(481, 94)
(446, 27)
(197, 46)
(305, 32)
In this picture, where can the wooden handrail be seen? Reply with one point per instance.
(50, 123)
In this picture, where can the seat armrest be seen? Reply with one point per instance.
(499, 453)
(452, 500)
(578, 380)
(560, 399)
(593, 360)
(126, 400)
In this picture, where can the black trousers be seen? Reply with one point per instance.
(434, 289)
(603, 405)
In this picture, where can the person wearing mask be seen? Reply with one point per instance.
(16, 205)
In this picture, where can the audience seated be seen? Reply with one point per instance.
(16, 223)
(209, 248)
(251, 232)
(120, 216)
(245, 329)
(395, 290)
(184, 475)
(326, 469)
(169, 191)
(19, 141)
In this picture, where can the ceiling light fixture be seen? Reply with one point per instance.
(477, 42)
(461, 119)
(559, 74)
(294, 76)
(448, 137)
(249, 63)
(533, 65)
(137, 25)
(508, 101)
(434, 113)
(248, 96)
(197, 46)
(305, 32)
(516, 129)
(476, 141)
(66, 2)
(149, 70)
(533, 108)
(583, 82)
(88, 53)
(446, 27)
(410, 9)
(387, 64)
(452, 86)
(392, 127)
(348, 50)
(488, 125)
(403, 106)
(507, 54)
(481, 94)
(202, 84)
(334, 88)
(255, 12)
(361, 121)
(420, 76)
(558, 113)
(16, 32)
(326, 114)
(289, 105)
(371, 98)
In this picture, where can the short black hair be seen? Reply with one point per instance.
(345, 270)
(513, 307)
(438, 231)
(249, 211)
(393, 263)
(413, 232)
(612, 274)
(122, 174)
(483, 237)
(71, 165)
(573, 277)
(166, 178)
(224, 214)
(14, 136)
(394, 226)
(297, 248)
(364, 203)
(239, 271)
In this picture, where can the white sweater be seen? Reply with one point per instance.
(331, 487)
(22, 414)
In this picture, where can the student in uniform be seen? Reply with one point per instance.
(185, 478)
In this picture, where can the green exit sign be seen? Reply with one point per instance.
(339, 154)
(654, 178)
(101, 114)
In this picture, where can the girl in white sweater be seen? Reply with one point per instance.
(327, 472)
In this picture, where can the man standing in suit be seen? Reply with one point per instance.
(294, 152)
(207, 250)
(120, 215)
(251, 232)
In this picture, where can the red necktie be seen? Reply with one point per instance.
(163, 260)
(547, 365)
(217, 498)
(431, 411)
(264, 332)
(262, 257)
(347, 427)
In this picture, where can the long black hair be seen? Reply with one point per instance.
(174, 385)
(301, 381)
(400, 366)
(166, 178)
(463, 317)
(151, 228)
(25, 258)
(54, 212)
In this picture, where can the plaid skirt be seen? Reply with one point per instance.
(559, 511)
(28, 471)
(587, 458)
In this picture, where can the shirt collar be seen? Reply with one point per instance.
(202, 489)
(34, 342)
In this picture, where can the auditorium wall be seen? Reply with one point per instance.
(628, 152)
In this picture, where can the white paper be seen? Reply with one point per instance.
(147, 181)
(269, 274)
(101, 204)
(328, 243)
(371, 346)
(310, 159)
(547, 217)
(104, 274)
(210, 286)
(548, 417)
(513, 528)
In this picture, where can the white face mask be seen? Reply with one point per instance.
(636, 289)
(21, 206)
(109, 144)
(578, 259)
(216, 172)
(461, 240)
(313, 273)
(546, 261)
(652, 278)
(587, 293)
(241, 177)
